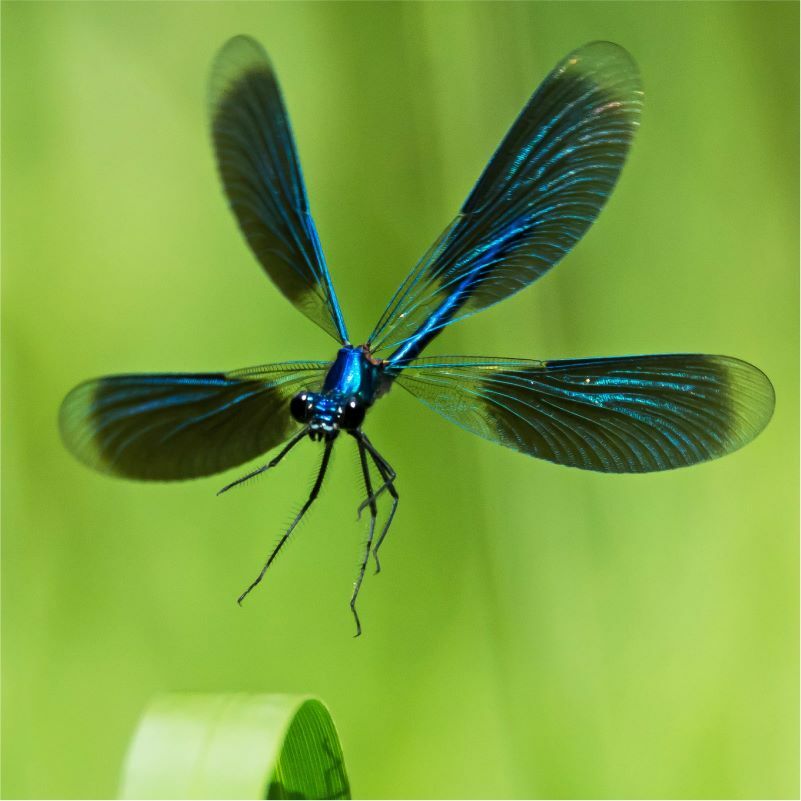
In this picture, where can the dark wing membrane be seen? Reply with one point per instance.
(631, 414)
(259, 168)
(541, 191)
(163, 427)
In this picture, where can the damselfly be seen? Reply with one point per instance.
(542, 189)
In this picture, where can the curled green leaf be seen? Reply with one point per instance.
(192, 746)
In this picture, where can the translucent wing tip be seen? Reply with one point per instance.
(77, 428)
(604, 54)
(603, 50)
(608, 65)
(752, 400)
(238, 56)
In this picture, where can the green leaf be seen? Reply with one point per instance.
(235, 746)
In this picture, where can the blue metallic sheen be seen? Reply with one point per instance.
(352, 375)
(260, 172)
(539, 194)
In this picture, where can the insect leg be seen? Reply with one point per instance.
(384, 468)
(272, 463)
(373, 513)
(312, 495)
(368, 484)
(389, 475)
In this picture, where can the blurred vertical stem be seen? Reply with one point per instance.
(235, 746)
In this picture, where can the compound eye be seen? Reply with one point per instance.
(300, 408)
(352, 415)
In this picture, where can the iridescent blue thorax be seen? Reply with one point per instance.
(353, 374)
(351, 386)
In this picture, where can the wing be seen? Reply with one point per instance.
(632, 414)
(163, 427)
(259, 168)
(541, 191)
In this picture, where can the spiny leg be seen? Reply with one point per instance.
(312, 495)
(395, 500)
(384, 468)
(373, 514)
(368, 484)
(388, 475)
(272, 463)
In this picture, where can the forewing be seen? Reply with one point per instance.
(259, 168)
(631, 414)
(170, 426)
(541, 191)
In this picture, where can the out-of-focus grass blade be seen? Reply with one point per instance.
(235, 746)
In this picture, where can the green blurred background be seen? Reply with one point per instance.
(537, 631)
